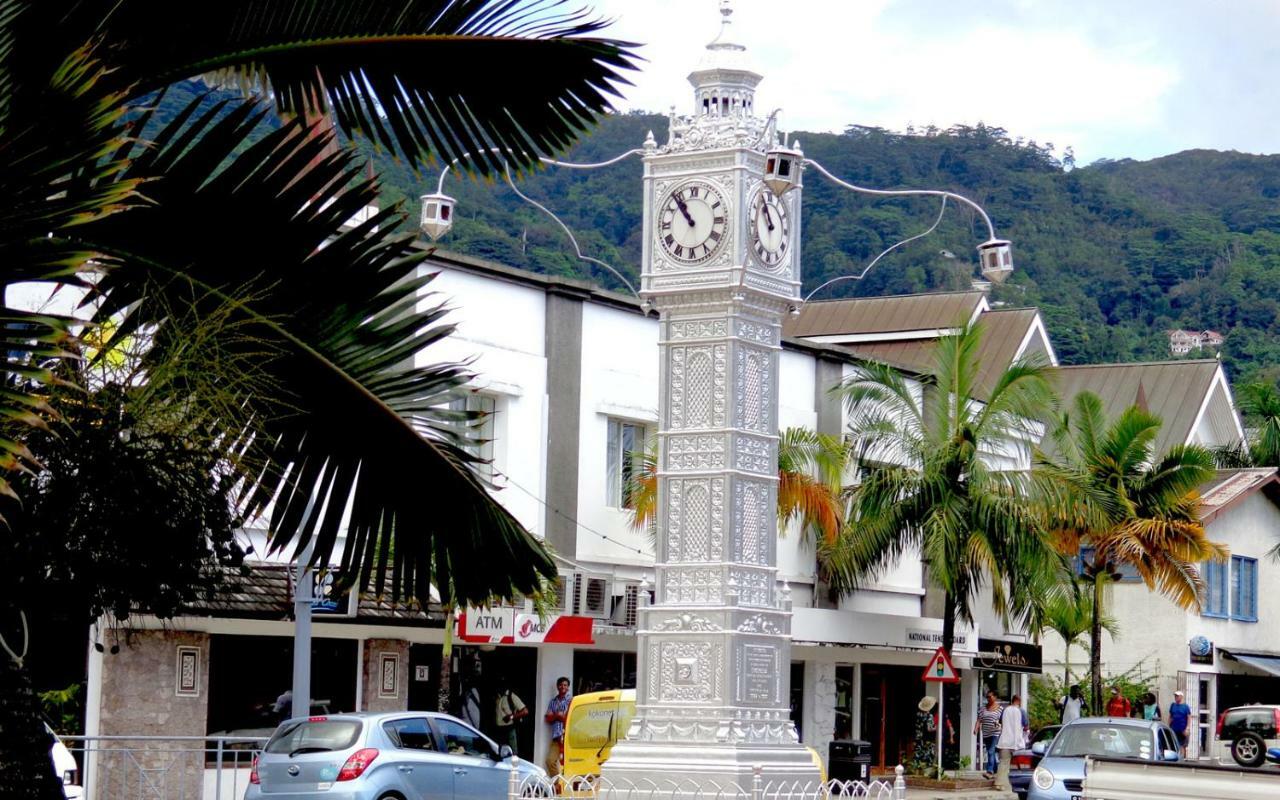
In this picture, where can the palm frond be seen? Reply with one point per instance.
(448, 79)
(342, 313)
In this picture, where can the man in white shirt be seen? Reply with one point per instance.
(509, 710)
(1011, 738)
(1072, 704)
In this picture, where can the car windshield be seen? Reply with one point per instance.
(1118, 741)
(314, 736)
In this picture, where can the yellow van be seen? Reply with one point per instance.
(597, 720)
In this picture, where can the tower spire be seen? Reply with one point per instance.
(724, 83)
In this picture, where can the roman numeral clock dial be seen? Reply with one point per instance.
(692, 220)
(770, 229)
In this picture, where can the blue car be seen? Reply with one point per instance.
(384, 756)
(1060, 774)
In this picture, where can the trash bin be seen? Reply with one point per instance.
(849, 760)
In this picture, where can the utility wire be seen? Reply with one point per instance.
(586, 528)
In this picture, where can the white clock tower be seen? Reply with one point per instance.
(722, 268)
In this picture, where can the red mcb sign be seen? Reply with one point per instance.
(506, 626)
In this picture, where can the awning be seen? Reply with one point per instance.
(1269, 664)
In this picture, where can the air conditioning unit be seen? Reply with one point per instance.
(593, 596)
(625, 610)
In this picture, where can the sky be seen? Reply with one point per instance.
(1110, 78)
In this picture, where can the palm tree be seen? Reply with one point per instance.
(1114, 502)
(1260, 403)
(1068, 612)
(213, 208)
(811, 469)
(926, 452)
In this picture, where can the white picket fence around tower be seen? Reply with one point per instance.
(584, 788)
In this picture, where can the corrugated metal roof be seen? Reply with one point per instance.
(1002, 333)
(1172, 390)
(1230, 486)
(863, 315)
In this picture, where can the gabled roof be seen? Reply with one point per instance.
(1230, 486)
(872, 315)
(1175, 391)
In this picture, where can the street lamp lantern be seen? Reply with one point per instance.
(782, 169)
(996, 259)
(437, 215)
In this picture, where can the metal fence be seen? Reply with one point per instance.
(692, 789)
(164, 767)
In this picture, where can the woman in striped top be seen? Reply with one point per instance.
(988, 727)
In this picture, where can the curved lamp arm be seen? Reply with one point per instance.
(991, 230)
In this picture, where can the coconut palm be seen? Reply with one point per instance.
(1114, 502)
(811, 469)
(216, 208)
(929, 481)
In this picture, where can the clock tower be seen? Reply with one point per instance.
(721, 265)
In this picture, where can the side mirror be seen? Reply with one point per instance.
(1171, 755)
(504, 752)
(1039, 747)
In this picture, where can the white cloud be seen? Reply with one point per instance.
(1109, 79)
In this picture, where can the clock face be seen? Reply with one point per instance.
(692, 220)
(770, 229)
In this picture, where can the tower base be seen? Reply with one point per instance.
(686, 765)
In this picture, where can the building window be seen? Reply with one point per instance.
(479, 432)
(624, 459)
(1128, 573)
(1244, 589)
(1215, 589)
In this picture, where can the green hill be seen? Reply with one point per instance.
(1114, 253)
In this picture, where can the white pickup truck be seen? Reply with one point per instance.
(1131, 779)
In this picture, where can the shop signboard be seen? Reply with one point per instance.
(1201, 650)
(924, 637)
(1010, 656)
(507, 626)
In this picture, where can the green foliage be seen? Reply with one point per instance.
(1114, 253)
(1047, 689)
(62, 709)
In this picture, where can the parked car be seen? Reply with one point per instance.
(65, 765)
(368, 756)
(1245, 733)
(1023, 763)
(1186, 780)
(1060, 774)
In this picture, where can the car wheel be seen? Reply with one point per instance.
(1249, 750)
(392, 796)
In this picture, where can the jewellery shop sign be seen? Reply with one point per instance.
(1008, 656)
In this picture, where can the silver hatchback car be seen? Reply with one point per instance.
(384, 756)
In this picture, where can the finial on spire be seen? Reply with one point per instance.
(726, 14)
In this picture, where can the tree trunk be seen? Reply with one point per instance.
(948, 622)
(1066, 667)
(1095, 643)
(25, 762)
(444, 689)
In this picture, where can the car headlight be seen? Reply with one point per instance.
(1043, 778)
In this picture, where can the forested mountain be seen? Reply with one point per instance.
(1114, 253)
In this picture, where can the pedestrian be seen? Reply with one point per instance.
(283, 707)
(1150, 708)
(1117, 704)
(1072, 704)
(988, 727)
(509, 709)
(1180, 720)
(1012, 737)
(471, 706)
(924, 758)
(557, 714)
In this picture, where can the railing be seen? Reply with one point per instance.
(164, 767)
(581, 788)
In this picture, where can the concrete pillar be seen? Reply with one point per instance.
(819, 705)
(157, 685)
(385, 675)
(553, 662)
(970, 702)
(563, 347)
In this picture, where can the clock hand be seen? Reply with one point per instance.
(684, 209)
(768, 217)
